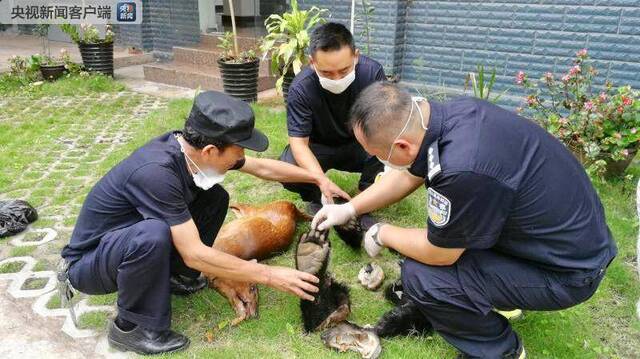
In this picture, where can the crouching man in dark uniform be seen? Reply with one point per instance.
(513, 219)
(318, 106)
(146, 228)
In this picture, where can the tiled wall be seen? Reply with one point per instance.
(165, 23)
(438, 42)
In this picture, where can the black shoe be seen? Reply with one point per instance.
(182, 285)
(144, 341)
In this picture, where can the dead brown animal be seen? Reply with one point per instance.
(257, 233)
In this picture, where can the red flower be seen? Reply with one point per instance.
(566, 78)
(620, 109)
(627, 101)
(520, 77)
(603, 96)
(574, 70)
(582, 53)
(588, 105)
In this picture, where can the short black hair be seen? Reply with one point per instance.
(200, 141)
(330, 36)
(377, 106)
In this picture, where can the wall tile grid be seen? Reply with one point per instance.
(431, 43)
(446, 39)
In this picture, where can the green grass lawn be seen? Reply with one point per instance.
(33, 142)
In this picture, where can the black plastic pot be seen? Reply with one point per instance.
(51, 72)
(240, 80)
(286, 82)
(97, 57)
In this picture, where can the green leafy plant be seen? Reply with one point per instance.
(601, 129)
(367, 12)
(288, 38)
(87, 34)
(481, 86)
(229, 55)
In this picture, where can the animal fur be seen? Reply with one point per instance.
(331, 305)
(404, 319)
(257, 233)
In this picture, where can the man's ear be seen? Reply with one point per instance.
(402, 144)
(210, 150)
(356, 53)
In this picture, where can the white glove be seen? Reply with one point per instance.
(372, 243)
(333, 215)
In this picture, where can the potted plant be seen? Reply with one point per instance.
(96, 51)
(50, 67)
(287, 40)
(239, 69)
(602, 128)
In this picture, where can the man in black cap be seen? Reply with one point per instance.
(147, 227)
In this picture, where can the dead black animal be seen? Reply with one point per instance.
(331, 304)
(404, 319)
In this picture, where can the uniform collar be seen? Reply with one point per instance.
(433, 133)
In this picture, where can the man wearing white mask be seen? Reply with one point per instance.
(513, 220)
(318, 105)
(146, 228)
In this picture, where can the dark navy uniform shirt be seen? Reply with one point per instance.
(321, 115)
(153, 182)
(497, 180)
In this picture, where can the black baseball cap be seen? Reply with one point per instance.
(227, 119)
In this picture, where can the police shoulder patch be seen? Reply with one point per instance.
(439, 208)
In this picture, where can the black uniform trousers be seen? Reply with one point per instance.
(458, 299)
(137, 262)
(349, 158)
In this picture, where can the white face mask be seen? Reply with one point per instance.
(203, 179)
(337, 86)
(414, 101)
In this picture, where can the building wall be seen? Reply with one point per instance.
(165, 23)
(439, 42)
(386, 23)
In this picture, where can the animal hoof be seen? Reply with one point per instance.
(371, 276)
(347, 336)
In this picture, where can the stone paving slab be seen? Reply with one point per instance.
(28, 329)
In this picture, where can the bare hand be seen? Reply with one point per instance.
(330, 190)
(292, 281)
